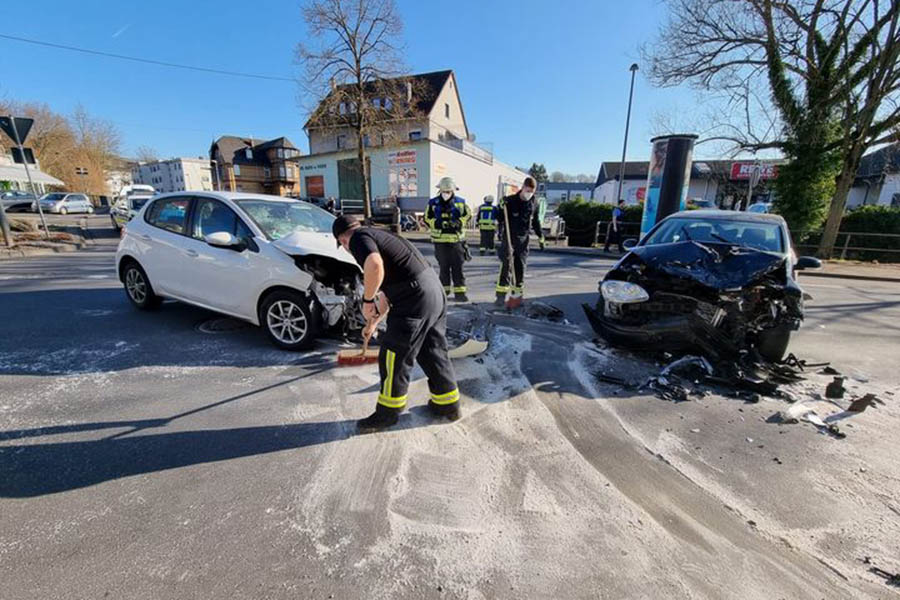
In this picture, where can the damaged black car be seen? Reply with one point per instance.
(716, 282)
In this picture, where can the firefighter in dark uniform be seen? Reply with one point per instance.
(398, 280)
(522, 211)
(487, 224)
(447, 215)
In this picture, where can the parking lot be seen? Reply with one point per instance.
(176, 453)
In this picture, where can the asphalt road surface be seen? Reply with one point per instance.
(177, 454)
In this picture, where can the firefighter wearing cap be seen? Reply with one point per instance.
(521, 210)
(487, 224)
(398, 280)
(447, 216)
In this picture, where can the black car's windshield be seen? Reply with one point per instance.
(752, 234)
(278, 219)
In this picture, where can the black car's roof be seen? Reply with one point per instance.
(729, 215)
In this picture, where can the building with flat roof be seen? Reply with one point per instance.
(174, 174)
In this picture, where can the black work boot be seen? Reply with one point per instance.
(500, 300)
(382, 418)
(460, 297)
(481, 252)
(450, 412)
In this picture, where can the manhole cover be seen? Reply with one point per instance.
(223, 325)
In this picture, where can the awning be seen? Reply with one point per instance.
(17, 173)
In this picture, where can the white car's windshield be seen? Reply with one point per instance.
(752, 234)
(53, 197)
(278, 219)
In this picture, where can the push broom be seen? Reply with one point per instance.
(353, 357)
(512, 301)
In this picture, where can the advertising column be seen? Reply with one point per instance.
(668, 178)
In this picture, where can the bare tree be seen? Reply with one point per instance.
(97, 143)
(830, 69)
(146, 154)
(354, 69)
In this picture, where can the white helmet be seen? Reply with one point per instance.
(446, 184)
(489, 199)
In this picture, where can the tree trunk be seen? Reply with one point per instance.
(838, 204)
(364, 170)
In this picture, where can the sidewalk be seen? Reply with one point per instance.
(842, 269)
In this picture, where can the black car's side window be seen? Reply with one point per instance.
(169, 214)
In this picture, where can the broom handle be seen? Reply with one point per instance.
(511, 271)
(366, 338)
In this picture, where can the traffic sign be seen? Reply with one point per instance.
(17, 155)
(22, 127)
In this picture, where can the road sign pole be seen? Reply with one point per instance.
(34, 193)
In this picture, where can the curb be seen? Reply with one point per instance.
(591, 252)
(18, 252)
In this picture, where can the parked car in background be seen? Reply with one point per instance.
(268, 260)
(700, 203)
(715, 281)
(128, 202)
(17, 200)
(63, 203)
(760, 208)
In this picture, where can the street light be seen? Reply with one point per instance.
(633, 68)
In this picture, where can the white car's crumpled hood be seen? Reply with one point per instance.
(310, 242)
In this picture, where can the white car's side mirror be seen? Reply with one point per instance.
(222, 239)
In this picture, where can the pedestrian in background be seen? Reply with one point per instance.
(447, 216)
(613, 231)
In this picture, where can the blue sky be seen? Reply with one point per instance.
(539, 81)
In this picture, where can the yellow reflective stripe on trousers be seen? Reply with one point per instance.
(398, 402)
(448, 398)
(389, 375)
(501, 289)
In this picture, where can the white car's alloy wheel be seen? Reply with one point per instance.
(136, 286)
(287, 322)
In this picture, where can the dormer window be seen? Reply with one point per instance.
(248, 153)
(280, 153)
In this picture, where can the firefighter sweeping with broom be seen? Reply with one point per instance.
(399, 283)
(518, 216)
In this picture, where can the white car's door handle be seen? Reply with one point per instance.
(191, 253)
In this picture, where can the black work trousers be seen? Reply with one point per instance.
(520, 258)
(613, 236)
(416, 332)
(450, 257)
(487, 240)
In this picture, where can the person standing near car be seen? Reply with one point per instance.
(613, 233)
(520, 211)
(447, 216)
(487, 224)
(397, 280)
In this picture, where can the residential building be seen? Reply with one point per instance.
(119, 174)
(561, 191)
(409, 154)
(14, 177)
(877, 179)
(723, 181)
(262, 167)
(174, 174)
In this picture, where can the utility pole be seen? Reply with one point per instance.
(633, 69)
(755, 175)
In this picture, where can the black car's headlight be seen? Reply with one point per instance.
(623, 292)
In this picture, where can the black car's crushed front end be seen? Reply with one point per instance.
(716, 298)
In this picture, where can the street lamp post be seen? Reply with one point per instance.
(633, 69)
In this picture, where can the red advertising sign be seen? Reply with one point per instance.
(315, 186)
(744, 170)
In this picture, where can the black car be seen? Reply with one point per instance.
(16, 201)
(716, 281)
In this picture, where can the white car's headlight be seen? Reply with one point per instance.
(622, 292)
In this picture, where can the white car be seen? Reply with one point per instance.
(268, 260)
(63, 203)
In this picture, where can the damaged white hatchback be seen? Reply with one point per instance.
(268, 260)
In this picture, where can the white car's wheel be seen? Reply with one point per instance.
(63, 211)
(138, 288)
(289, 319)
(90, 210)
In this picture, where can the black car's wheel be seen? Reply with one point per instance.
(289, 319)
(138, 288)
(772, 343)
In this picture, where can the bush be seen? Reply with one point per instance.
(582, 216)
(871, 219)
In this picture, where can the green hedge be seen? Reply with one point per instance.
(865, 219)
(581, 218)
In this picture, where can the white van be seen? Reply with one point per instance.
(128, 202)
